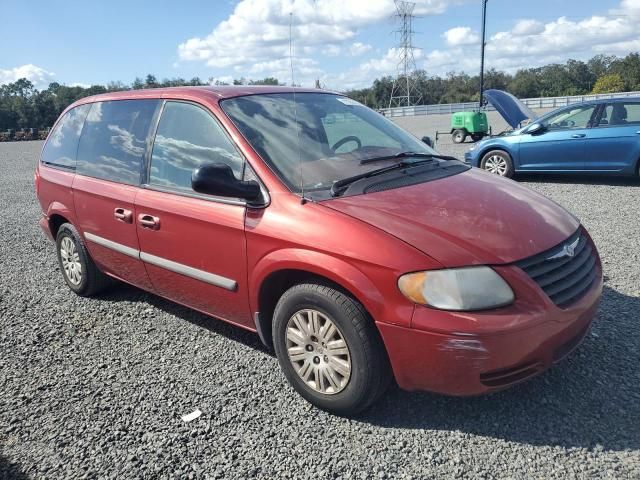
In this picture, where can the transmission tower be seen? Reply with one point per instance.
(404, 91)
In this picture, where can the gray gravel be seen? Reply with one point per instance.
(96, 387)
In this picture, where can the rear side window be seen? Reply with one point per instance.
(114, 139)
(187, 137)
(62, 145)
(617, 114)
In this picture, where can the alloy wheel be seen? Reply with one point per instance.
(71, 261)
(496, 164)
(318, 351)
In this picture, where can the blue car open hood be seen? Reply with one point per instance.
(511, 109)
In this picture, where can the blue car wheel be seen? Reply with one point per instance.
(498, 162)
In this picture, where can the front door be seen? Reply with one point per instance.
(109, 163)
(193, 245)
(561, 145)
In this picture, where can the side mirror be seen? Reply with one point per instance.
(427, 141)
(536, 128)
(218, 179)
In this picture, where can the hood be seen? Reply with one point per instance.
(467, 219)
(512, 110)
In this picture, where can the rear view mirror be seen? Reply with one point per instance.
(218, 179)
(535, 128)
(427, 141)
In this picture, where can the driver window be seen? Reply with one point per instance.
(573, 117)
(187, 137)
(341, 126)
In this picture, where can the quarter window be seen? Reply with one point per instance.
(114, 140)
(187, 137)
(62, 145)
(572, 117)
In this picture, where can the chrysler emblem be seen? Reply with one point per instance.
(568, 250)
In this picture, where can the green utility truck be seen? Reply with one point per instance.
(473, 124)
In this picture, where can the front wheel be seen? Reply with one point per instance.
(459, 136)
(498, 162)
(476, 137)
(329, 349)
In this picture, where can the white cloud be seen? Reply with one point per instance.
(359, 48)
(527, 27)
(257, 32)
(362, 74)
(530, 43)
(38, 76)
(630, 8)
(332, 50)
(459, 36)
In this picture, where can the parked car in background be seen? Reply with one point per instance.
(350, 247)
(599, 136)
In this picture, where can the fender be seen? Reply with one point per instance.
(338, 271)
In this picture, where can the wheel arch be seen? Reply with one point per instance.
(280, 270)
(57, 214)
(492, 148)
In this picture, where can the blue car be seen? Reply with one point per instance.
(599, 136)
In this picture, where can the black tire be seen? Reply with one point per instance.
(459, 136)
(498, 162)
(476, 137)
(92, 280)
(370, 370)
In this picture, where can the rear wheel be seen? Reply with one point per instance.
(459, 136)
(498, 162)
(78, 270)
(329, 349)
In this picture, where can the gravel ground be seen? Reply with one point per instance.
(96, 387)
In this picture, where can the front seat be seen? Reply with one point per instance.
(618, 115)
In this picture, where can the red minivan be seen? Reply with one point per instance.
(353, 249)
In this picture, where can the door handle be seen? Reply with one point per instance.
(638, 132)
(123, 215)
(578, 135)
(149, 221)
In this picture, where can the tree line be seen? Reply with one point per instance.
(23, 106)
(600, 74)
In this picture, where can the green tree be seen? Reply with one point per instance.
(610, 83)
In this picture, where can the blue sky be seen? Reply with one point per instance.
(345, 43)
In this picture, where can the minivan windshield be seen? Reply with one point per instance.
(317, 139)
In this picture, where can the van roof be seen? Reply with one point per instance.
(217, 91)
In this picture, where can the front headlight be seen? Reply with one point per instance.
(468, 288)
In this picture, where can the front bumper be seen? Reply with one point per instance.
(470, 353)
(469, 158)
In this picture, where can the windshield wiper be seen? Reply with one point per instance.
(338, 186)
(407, 155)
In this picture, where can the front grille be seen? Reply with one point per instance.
(564, 278)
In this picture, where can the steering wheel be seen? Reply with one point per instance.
(350, 138)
